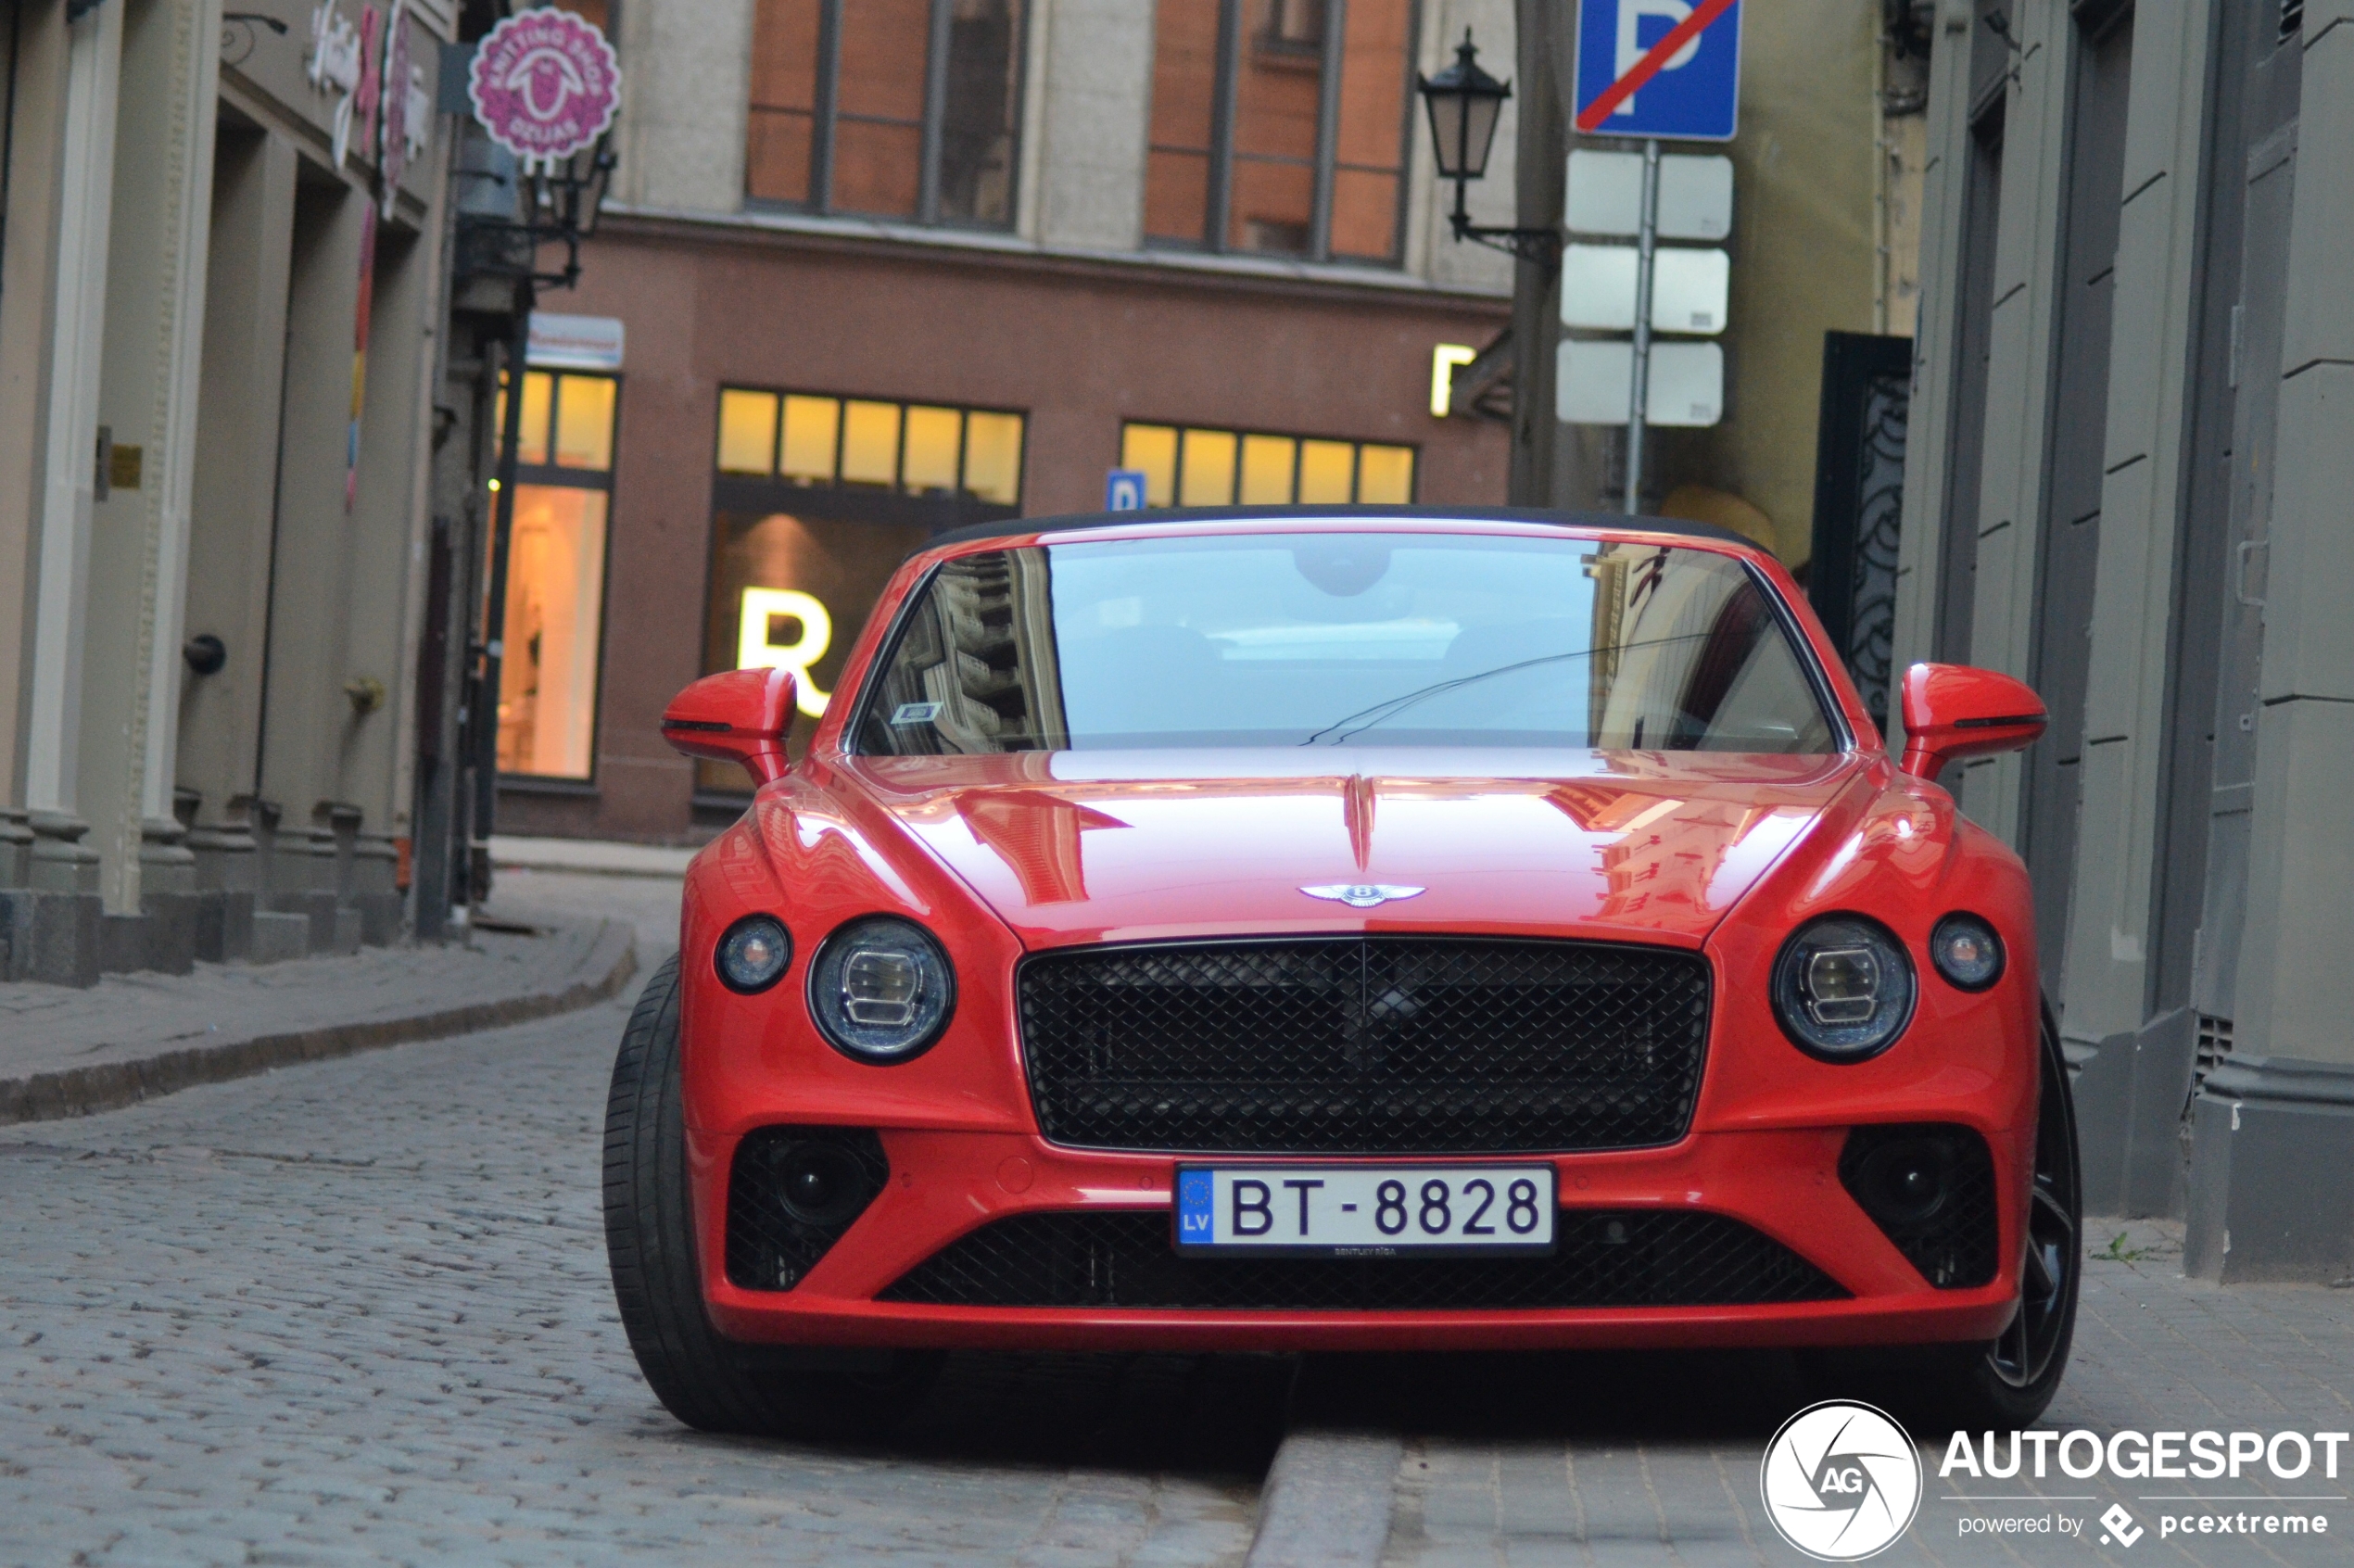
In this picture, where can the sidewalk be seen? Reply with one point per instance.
(603, 857)
(66, 1052)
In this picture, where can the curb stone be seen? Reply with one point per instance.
(1326, 1501)
(47, 1096)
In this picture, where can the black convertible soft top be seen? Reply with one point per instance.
(1607, 520)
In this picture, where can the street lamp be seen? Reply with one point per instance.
(1464, 104)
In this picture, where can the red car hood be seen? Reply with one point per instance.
(1079, 846)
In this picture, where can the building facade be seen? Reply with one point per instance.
(877, 268)
(220, 282)
(2130, 428)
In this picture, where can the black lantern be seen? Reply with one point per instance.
(1464, 104)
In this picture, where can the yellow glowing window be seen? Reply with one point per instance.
(1267, 464)
(1385, 475)
(538, 394)
(813, 426)
(915, 448)
(1327, 472)
(992, 457)
(747, 432)
(933, 435)
(583, 421)
(869, 443)
(1206, 468)
(1152, 450)
(1198, 467)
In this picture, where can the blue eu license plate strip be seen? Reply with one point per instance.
(1366, 1210)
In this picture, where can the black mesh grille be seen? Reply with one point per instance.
(1952, 1242)
(774, 1234)
(1126, 1260)
(1365, 1045)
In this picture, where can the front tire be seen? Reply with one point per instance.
(707, 1381)
(2005, 1383)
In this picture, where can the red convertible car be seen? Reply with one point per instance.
(1345, 930)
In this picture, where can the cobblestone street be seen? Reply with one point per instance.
(359, 1311)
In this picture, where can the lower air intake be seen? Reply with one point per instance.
(1125, 1259)
(792, 1193)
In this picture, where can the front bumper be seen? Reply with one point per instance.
(1782, 1182)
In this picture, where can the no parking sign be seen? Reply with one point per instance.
(1669, 68)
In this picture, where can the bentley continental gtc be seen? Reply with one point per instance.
(1303, 930)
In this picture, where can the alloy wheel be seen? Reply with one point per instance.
(2047, 1269)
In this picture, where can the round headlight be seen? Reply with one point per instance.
(1843, 989)
(752, 954)
(1966, 952)
(881, 990)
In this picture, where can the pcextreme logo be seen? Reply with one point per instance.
(1841, 1480)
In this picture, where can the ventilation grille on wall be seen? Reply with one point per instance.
(2214, 1048)
(2292, 19)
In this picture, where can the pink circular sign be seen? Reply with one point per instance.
(544, 84)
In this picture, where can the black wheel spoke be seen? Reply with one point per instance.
(2025, 1352)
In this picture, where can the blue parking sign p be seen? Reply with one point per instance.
(1669, 68)
(1125, 490)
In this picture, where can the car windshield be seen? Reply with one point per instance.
(1339, 639)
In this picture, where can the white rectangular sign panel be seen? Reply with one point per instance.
(1591, 376)
(1605, 195)
(575, 342)
(1690, 289)
(1598, 287)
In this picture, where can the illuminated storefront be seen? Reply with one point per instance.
(556, 576)
(816, 501)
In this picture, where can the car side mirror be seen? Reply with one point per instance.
(1954, 711)
(739, 716)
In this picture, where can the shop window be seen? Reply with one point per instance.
(816, 502)
(897, 108)
(1189, 466)
(1280, 126)
(556, 576)
(907, 449)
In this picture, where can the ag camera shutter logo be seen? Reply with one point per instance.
(1841, 1480)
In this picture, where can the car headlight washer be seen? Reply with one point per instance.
(881, 990)
(1843, 987)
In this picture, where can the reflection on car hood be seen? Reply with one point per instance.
(1095, 846)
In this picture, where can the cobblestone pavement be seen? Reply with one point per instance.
(359, 1312)
(1604, 1461)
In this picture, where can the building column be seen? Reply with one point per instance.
(1093, 121)
(1929, 432)
(685, 103)
(235, 490)
(391, 528)
(154, 335)
(2018, 387)
(55, 930)
(307, 717)
(2137, 1069)
(2273, 1127)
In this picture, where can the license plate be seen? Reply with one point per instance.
(1365, 1211)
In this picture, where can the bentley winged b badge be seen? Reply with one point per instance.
(1361, 895)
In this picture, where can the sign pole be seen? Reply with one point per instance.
(1640, 378)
